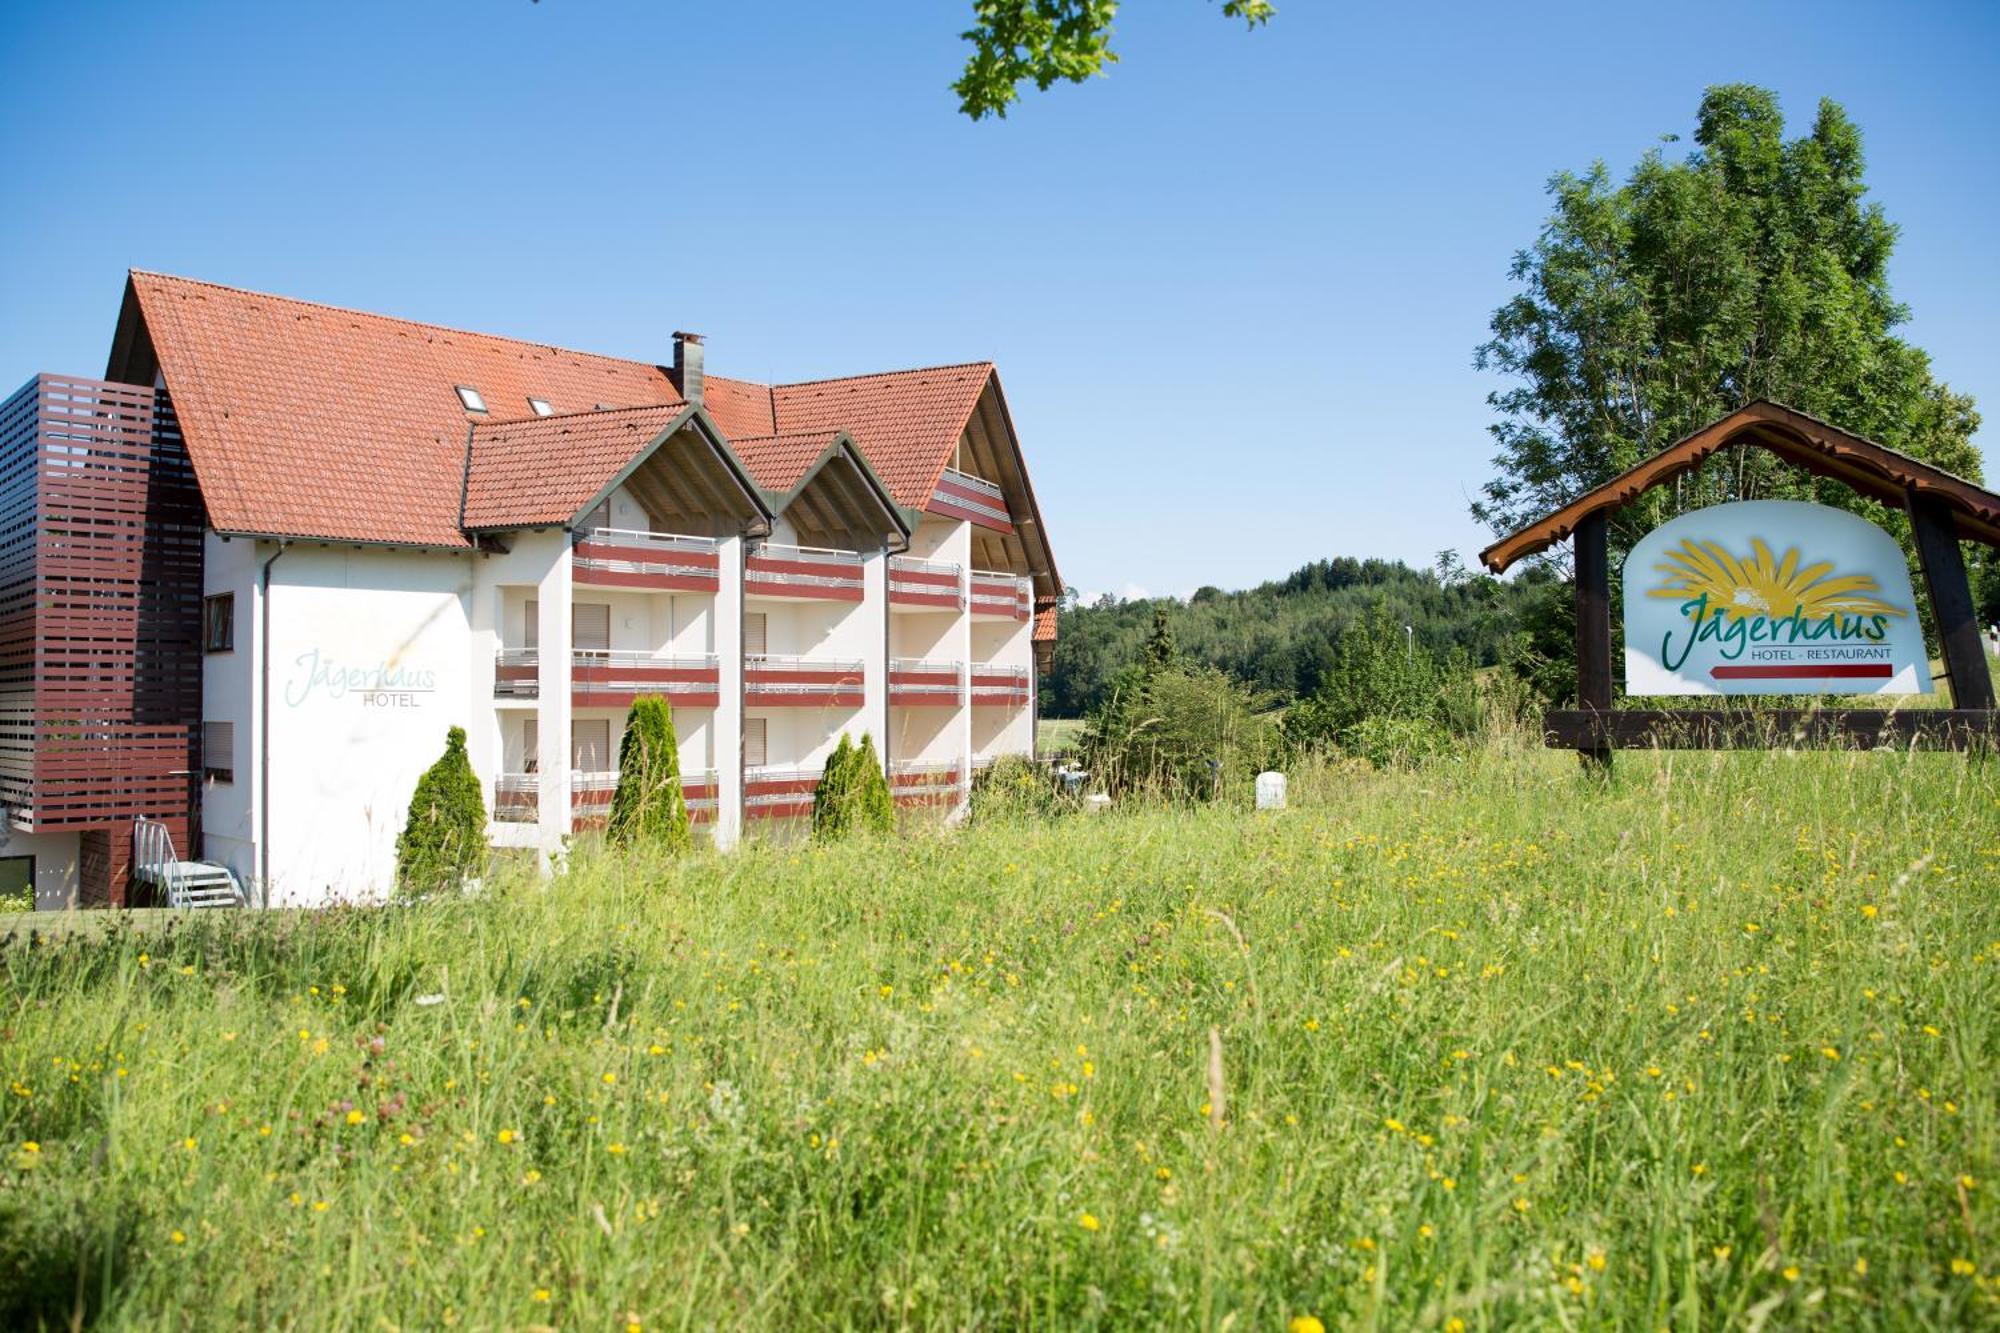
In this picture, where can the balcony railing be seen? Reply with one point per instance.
(615, 679)
(779, 793)
(517, 673)
(962, 496)
(1002, 596)
(919, 684)
(924, 584)
(631, 558)
(801, 682)
(612, 679)
(517, 798)
(803, 571)
(590, 795)
(917, 782)
(1010, 687)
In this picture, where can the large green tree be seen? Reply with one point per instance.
(1046, 41)
(1750, 267)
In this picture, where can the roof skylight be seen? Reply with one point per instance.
(470, 397)
(541, 406)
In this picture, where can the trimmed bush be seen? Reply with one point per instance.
(649, 808)
(853, 793)
(443, 842)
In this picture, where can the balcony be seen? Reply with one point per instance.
(1002, 597)
(779, 793)
(801, 682)
(963, 496)
(913, 782)
(603, 679)
(590, 796)
(924, 585)
(917, 684)
(650, 561)
(1007, 687)
(517, 797)
(803, 572)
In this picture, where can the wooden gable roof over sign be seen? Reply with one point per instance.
(1872, 469)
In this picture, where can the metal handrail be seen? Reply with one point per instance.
(768, 662)
(976, 483)
(919, 664)
(812, 555)
(911, 564)
(631, 657)
(768, 774)
(668, 541)
(899, 768)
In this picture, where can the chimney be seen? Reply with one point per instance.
(687, 366)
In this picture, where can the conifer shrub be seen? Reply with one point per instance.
(853, 793)
(443, 842)
(648, 809)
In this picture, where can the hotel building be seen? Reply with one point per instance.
(250, 577)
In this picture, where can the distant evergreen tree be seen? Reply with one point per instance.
(443, 842)
(1161, 650)
(649, 808)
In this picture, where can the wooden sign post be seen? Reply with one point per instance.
(1943, 510)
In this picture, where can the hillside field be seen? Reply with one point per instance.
(1487, 1045)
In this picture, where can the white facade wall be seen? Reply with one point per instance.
(55, 864)
(375, 653)
(229, 694)
(370, 665)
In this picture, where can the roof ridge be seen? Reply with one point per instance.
(388, 319)
(886, 374)
(539, 417)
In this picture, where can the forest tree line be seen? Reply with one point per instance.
(1281, 638)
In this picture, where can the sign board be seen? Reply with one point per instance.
(1771, 597)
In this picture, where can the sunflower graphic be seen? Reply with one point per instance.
(1763, 586)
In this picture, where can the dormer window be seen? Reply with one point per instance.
(470, 397)
(541, 406)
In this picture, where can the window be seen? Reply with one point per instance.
(470, 397)
(541, 407)
(756, 633)
(218, 751)
(590, 627)
(218, 623)
(590, 744)
(756, 744)
(17, 877)
(531, 746)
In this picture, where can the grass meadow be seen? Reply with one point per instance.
(1487, 1045)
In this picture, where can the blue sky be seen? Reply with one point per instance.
(1233, 290)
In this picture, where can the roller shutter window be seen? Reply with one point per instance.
(756, 749)
(590, 627)
(590, 745)
(756, 633)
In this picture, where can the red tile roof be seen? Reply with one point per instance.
(543, 471)
(778, 462)
(1045, 625)
(308, 421)
(907, 421)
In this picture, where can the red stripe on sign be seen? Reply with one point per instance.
(1848, 671)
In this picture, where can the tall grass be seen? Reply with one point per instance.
(1500, 1045)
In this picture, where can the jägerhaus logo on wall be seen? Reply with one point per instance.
(1771, 597)
(387, 684)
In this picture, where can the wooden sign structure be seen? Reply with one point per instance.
(1943, 510)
